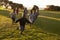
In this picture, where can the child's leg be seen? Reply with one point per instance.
(22, 29)
(13, 20)
(31, 24)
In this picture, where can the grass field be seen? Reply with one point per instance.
(42, 29)
(55, 14)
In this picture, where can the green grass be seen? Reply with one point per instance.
(4, 13)
(42, 29)
(49, 25)
(50, 14)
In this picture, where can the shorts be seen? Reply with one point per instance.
(22, 28)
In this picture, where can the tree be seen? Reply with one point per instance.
(11, 4)
(20, 6)
(4, 2)
(53, 8)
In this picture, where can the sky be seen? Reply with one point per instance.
(39, 3)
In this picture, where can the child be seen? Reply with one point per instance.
(31, 16)
(13, 17)
(36, 13)
(25, 12)
(22, 21)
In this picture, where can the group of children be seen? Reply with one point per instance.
(23, 20)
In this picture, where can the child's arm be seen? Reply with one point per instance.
(28, 21)
(17, 20)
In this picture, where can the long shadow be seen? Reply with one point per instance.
(4, 13)
(50, 14)
(52, 26)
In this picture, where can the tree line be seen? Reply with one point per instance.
(7, 3)
(53, 8)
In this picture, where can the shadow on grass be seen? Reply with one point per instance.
(50, 14)
(49, 25)
(4, 13)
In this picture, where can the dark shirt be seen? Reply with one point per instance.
(22, 21)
